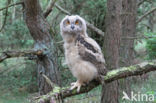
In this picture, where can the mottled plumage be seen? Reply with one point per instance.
(82, 54)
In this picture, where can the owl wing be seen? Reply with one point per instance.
(90, 51)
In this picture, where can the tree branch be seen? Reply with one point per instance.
(18, 3)
(141, 2)
(146, 14)
(111, 76)
(91, 26)
(49, 8)
(6, 14)
(12, 54)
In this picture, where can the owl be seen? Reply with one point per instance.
(82, 54)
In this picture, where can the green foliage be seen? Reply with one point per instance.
(151, 45)
(17, 80)
(18, 76)
(16, 35)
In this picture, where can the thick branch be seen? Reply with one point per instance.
(91, 26)
(145, 15)
(113, 75)
(12, 54)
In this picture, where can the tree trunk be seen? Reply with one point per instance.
(127, 53)
(128, 30)
(111, 48)
(40, 31)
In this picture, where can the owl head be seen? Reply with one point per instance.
(73, 25)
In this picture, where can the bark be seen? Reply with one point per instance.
(40, 31)
(12, 54)
(111, 76)
(127, 53)
(128, 30)
(111, 48)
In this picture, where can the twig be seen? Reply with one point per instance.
(49, 8)
(62, 10)
(141, 2)
(5, 18)
(111, 76)
(48, 80)
(143, 37)
(146, 14)
(18, 3)
(59, 42)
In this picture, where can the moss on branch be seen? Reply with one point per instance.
(113, 75)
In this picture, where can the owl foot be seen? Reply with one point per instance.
(77, 85)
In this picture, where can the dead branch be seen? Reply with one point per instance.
(113, 75)
(145, 15)
(12, 54)
(49, 8)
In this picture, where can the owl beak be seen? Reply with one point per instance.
(72, 26)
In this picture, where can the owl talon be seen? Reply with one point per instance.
(72, 84)
(76, 85)
(78, 88)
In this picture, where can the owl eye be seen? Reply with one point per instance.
(77, 22)
(67, 22)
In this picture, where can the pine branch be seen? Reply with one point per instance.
(111, 76)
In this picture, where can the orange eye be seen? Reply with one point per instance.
(76, 22)
(67, 22)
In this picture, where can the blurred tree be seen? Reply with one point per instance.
(127, 53)
(110, 92)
